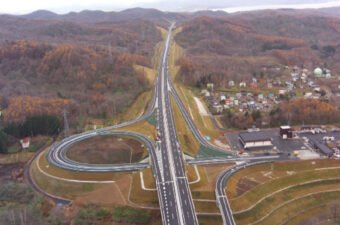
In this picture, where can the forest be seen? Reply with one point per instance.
(240, 45)
(86, 69)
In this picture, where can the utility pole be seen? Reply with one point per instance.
(66, 127)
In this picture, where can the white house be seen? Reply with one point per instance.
(205, 92)
(308, 94)
(282, 92)
(243, 84)
(231, 83)
(269, 85)
(210, 86)
(25, 143)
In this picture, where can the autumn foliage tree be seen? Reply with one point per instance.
(305, 111)
(22, 107)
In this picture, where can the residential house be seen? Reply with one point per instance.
(222, 98)
(218, 108)
(269, 85)
(25, 143)
(308, 94)
(210, 86)
(205, 92)
(231, 83)
(243, 84)
(253, 85)
(260, 97)
(282, 91)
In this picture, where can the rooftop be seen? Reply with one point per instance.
(254, 136)
(324, 148)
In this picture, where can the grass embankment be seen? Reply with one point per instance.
(284, 212)
(203, 123)
(23, 156)
(176, 52)
(189, 144)
(271, 203)
(309, 213)
(186, 94)
(127, 185)
(55, 171)
(137, 108)
(204, 190)
(149, 181)
(159, 48)
(140, 196)
(142, 127)
(208, 220)
(272, 185)
(103, 194)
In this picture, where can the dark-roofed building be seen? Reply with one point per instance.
(255, 139)
(323, 148)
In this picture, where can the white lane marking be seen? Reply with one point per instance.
(71, 180)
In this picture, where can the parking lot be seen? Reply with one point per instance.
(282, 145)
(319, 137)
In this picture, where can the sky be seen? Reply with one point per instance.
(65, 6)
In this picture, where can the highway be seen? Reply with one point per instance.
(168, 167)
(167, 160)
(195, 131)
(176, 206)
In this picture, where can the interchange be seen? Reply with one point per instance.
(172, 186)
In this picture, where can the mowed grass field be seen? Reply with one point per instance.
(275, 192)
(109, 149)
(189, 144)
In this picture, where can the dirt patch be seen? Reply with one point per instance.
(107, 194)
(244, 185)
(111, 149)
(201, 107)
(11, 172)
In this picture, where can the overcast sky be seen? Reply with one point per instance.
(65, 6)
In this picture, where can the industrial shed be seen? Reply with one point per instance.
(255, 139)
(323, 148)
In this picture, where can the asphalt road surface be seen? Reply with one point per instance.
(176, 201)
